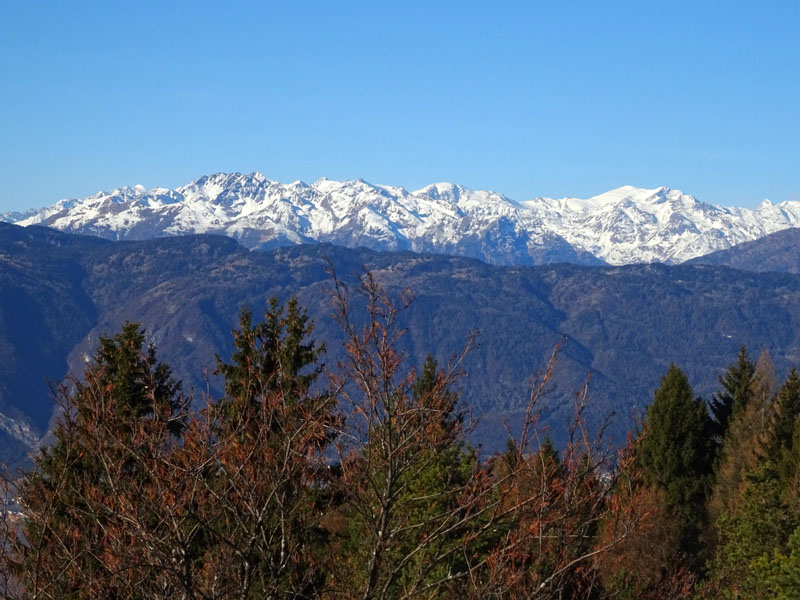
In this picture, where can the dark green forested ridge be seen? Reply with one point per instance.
(625, 325)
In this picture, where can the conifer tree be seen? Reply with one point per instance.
(763, 387)
(433, 494)
(752, 497)
(777, 575)
(270, 433)
(757, 525)
(734, 394)
(781, 444)
(676, 453)
(743, 445)
(124, 411)
(275, 355)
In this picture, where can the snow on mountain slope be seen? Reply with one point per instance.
(622, 226)
(629, 225)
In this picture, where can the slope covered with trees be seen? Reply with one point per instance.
(624, 325)
(779, 252)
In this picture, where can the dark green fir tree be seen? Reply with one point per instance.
(676, 453)
(734, 394)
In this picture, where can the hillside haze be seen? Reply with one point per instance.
(625, 325)
(623, 226)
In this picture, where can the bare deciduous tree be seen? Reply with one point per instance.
(522, 525)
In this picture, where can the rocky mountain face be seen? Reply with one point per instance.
(625, 325)
(623, 226)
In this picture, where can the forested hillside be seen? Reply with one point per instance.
(779, 252)
(625, 325)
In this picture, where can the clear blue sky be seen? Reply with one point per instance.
(551, 98)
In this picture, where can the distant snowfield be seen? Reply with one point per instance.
(622, 226)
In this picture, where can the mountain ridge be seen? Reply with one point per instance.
(622, 226)
(777, 252)
(623, 324)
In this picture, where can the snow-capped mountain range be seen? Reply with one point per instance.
(626, 225)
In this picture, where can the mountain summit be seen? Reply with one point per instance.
(622, 226)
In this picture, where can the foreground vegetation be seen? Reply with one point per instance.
(356, 482)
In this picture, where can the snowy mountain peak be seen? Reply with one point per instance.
(442, 190)
(630, 194)
(621, 226)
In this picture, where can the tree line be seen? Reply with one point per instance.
(304, 481)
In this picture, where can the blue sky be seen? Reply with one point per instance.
(551, 98)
